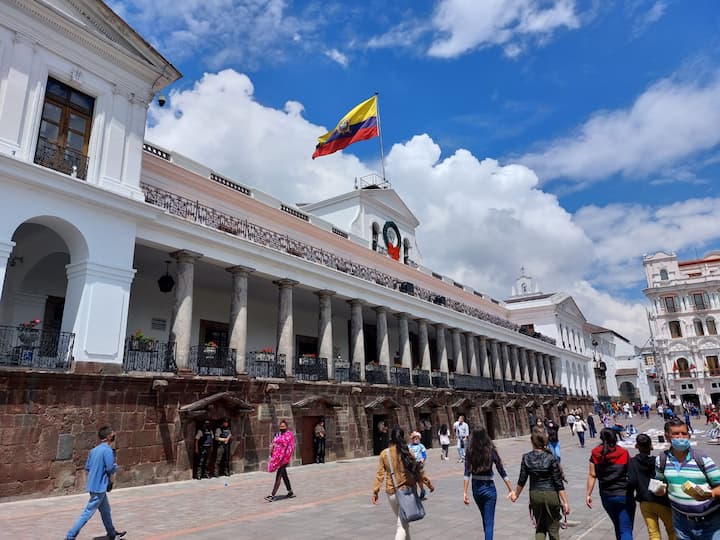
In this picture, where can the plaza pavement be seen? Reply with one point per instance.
(333, 501)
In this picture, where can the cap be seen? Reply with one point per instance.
(415, 434)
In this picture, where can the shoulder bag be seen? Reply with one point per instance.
(409, 503)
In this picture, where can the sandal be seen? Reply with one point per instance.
(270, 498)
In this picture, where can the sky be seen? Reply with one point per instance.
(568, 137)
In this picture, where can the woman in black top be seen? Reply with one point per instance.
(480, 457)
(547, 492)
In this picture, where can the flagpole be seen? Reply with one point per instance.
(382, 153)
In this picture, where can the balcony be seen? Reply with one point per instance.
(343, 371)
(439, 379)
(310, 368)
(266, 365)
(712, 373)
(149, 355)
(684, 374)
(498, 386)
(472, 382)
(215, 361)
(400, 376)
(421, 377)
(35, 348)
(61, 158)
(376, 374)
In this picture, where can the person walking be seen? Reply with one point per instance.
(592, 430)
(281, 451)
(100, 466)
(547, 492)
(419, 452)
(570, 421)
(580, 427)
(462, 431)
(480, 457)
(407, 473)
(609, 465)
(695, 516)
(553, 438)
(444, 438)
(653, 508)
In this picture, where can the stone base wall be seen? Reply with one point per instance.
(49, 422)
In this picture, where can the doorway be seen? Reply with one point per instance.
(425, 427)
(213, 331)
(490, 424)
(512, 422)
(381, 433)
(307, 435)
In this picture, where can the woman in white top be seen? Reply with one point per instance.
(580, 427)
(444, 436)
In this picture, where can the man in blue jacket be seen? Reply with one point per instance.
(100, 466)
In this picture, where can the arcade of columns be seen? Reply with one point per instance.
(474, 354)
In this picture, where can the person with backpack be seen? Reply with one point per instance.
(653, 508)
(609, 465)
(695, 513)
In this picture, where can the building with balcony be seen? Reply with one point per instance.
(150, 292)
(684, 301)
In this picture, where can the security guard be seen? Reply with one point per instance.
(223, 436)
(203, 449)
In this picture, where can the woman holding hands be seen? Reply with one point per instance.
(547, 492)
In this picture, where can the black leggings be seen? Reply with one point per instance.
(281, 474)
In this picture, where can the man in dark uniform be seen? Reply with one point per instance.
(223, 436)
(203, 449)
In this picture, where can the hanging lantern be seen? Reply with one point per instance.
(166, 282)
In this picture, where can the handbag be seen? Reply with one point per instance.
(410, 506)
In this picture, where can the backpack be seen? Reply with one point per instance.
(699, 458)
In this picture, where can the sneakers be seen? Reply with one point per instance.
(119, 534)
(270, 498)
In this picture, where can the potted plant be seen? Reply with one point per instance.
(141, 342)
(210, 349)
(28, 333)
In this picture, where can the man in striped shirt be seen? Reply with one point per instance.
(697, 516)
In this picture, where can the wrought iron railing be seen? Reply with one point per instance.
(35, 348)
(439, 379)
(712, 373)
(61, 158)
(498, 385)
(341, 368)
(400, 376)
(200, 213)
(266, 365)
(205, 360)
(421, 377)
(473, 382)
(311, 368)
(149, 355)
(376, 374)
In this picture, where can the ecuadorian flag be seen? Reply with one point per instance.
(359, 124)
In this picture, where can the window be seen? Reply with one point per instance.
(670, 305)
(683, 367)
(698, 328)
(663, 274)
(406, 251)
(64, 129)
(699, 301)
(711, 328)
(675, 331)
(712, 365)
(375, 234)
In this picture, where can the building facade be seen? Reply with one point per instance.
(684, 301)
(145, 290)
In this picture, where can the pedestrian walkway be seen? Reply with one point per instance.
(333, 501)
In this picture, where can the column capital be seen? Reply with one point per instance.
(185, 255)
(470, 334)
(402, 315)
(285, 283)
(380, 309)
(356, 302)
(240, 269)
(325, 292)
(441, 326)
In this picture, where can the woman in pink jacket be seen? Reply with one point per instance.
(281, 452)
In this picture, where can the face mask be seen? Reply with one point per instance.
(680, 444)
(283, 430)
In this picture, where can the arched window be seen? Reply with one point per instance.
(663, 274)
(375, 235)
(697, 323)
(711, 328)
(683, 367)
(675, 331)
(406, 251)
(712, 365)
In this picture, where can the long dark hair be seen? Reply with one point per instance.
(397, 437)
(443, 429)
(479, 453)
(609, 439)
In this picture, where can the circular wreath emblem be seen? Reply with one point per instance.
(391, 235)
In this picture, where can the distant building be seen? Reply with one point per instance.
(685, 304)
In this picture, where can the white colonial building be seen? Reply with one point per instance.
(685, 306)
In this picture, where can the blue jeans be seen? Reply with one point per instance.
(622, 513)
(485, 497)
(98, 501)
(555, 449)
(690, 529)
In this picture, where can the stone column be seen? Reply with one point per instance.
(5, 252)
(424, 345)
(181, 328)
(524, 365)
(404, 335)
(484, 361)
(441, 347)
(532, 367)
(515, 362)
(325, 330)
(238, 315)
(507, 373)
(554, 367)
(457, 351)
(382, 344)
(496, 363)
(357, 336)
(548, 371)
(472, 353)
(540, 368)
(285, 324)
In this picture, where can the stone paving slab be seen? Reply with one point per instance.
(333, 501)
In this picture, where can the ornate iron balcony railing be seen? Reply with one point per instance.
(376, 374)
(212, 360)
(266, 365)
(421, 377)
(400, 376)
(311, 368)
(149, 355)
(35, 348)
(61, 158)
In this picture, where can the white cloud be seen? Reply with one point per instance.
(338, 57)
(649, 17)
(669, 122)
